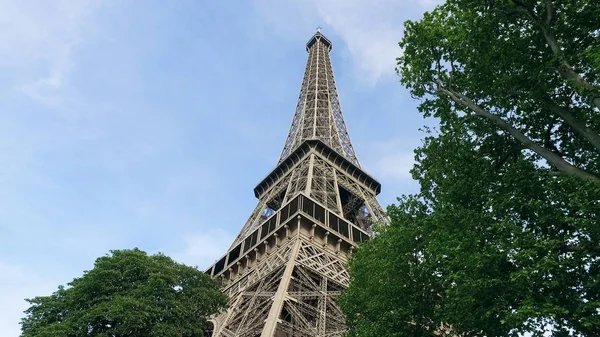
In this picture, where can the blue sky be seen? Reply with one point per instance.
(148, 123)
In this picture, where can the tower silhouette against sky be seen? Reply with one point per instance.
(286, 268)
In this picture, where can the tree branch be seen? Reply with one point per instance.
(553, 158)
(549, 12)
(565, 69)
(521, 5)
(548, 138)
(581, 249)
(577, 125)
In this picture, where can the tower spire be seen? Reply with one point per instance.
(286, 268)
(318, 112)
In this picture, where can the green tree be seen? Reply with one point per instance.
(128, 293)
(482, 251)
(504, 237)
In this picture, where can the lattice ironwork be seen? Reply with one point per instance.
(285, 270)
(318, 112)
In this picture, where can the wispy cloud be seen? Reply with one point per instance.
(395, 165)
(202, 249)
(390, 162)
(47, 89)
(391, 159)
(371, 30)
(43, 36)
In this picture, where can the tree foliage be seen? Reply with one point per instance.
(528, 69)
(127, 293)
(504, 237)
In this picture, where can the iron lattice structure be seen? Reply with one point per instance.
(285, 270)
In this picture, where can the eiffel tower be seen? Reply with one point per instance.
(286, 267)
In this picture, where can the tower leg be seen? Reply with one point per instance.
(274, 312)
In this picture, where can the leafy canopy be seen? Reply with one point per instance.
(128, 293)
(504, 237)
(527, 71)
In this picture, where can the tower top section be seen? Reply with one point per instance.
(318, 37)
(318, 112)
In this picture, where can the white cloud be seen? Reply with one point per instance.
(203, 249)
(40, 37)
(370, 32)
(395, 166)
(390, 160)
(46, 89)
(370, 29)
